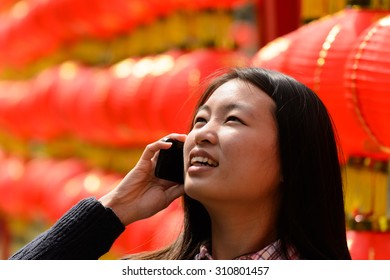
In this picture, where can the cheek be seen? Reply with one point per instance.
(259, 163)
(188, 145)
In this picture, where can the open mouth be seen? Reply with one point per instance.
(203, 161)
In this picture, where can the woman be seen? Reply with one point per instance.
(262, 181)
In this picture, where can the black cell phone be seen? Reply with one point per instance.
(170, 163)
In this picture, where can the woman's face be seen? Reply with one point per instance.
(231, 154)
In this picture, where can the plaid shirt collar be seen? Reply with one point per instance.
(271, 252)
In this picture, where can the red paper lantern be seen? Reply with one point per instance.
(176, 95)
(69, 84)
(27, 28)
(367, 245)
(15, 108)
(103, 19)
(146, 235)
(5, 42)
(71, 100)
(367, 80)
(78, 18)
(43, 119)
(210, 4)
(153, 71)
(7, 97)
(132, 88)
(32, 187)
(115, 100)
(164, 8)
(54, 20)
(91, 112)
(135, 117)
(11, 184)
(122, 93)
(47, 178)
(316, 54)
(109, 18)
(61, 188)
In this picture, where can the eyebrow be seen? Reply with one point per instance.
(227, 108)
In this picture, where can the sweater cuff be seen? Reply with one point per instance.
(88, 230)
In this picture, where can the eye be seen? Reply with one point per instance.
(199, 120)
(234, 119)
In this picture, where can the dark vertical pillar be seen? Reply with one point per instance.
(277, 17)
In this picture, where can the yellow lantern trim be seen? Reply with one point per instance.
(333, 33)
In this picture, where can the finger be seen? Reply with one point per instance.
(177, 136)
(151, 149)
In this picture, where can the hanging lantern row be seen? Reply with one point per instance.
(186, 31)
(45, 189)
(129, 104)
(352, 81)
(35, 30)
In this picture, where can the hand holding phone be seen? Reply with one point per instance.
(170, 163)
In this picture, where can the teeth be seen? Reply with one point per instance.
(203, 160)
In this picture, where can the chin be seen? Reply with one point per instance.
(195, 191)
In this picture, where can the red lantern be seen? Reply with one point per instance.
(27, 28)
(8, 96)
(68, 85)
(43, 119)
(164, 8)
(156, 69)
(138, 100)
(209, 4)
(146, 235)
(11, 184)
(176, 95)
(91, 112)
(53, 20)
(78, 18)
(114, 105)
(59, 192)
(110, 17)
(367, 80)
(15, 108)
(42, 178)
(316, 54)
(74, 185)
(367, 245)
(122, 92)
(133, 85)
(5, 41)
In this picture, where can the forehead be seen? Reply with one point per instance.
(240, 92)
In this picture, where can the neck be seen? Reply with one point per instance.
(237, 230)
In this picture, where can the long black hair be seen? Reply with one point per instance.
(312, 217)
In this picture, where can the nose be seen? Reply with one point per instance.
(206, 134)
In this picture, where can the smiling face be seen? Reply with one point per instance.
(231, 154)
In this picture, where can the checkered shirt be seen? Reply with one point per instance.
(270, 252)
